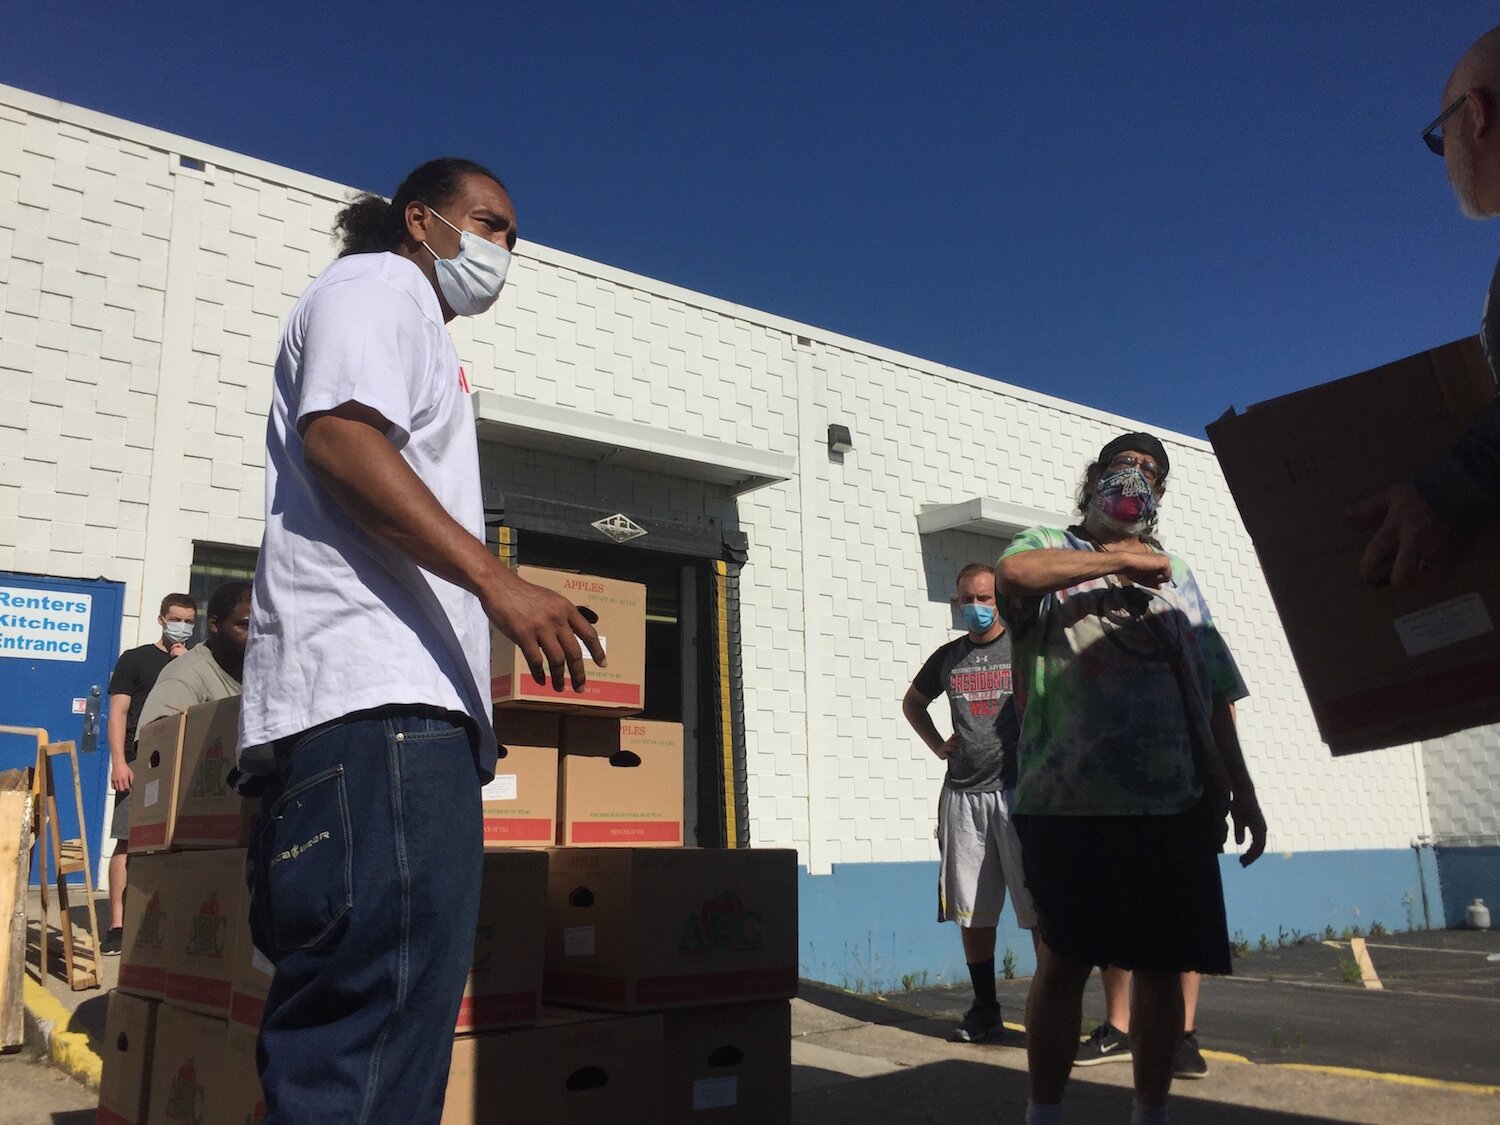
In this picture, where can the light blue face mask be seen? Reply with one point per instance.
(471, 282)
(977, 618)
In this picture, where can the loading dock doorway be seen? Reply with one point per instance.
(692, 674)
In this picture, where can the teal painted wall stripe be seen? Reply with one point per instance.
(871, 927)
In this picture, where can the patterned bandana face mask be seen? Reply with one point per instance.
(1124, 500)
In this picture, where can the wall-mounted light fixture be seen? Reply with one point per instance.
(840, 440)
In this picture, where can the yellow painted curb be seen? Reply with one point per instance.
(1227, 1056)
(68, 1050)
(1399, 1079)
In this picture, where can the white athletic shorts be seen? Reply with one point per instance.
(981, 858)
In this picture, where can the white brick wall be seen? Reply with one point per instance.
(140, 304)
(1463, 786)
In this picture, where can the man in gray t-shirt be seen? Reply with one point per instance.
(981, 855)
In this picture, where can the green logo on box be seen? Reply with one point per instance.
(721, 925)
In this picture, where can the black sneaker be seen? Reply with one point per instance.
(1106, 1044)
(981, 1022)
(1189, 1061)
(110, 945)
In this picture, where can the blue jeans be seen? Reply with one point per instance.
(364, 892)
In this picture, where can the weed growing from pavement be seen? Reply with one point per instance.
(1349, 969)
(1238, 945)
(912, 981)
(1279, 1042)
(1008, 964)
(1265, 943)
(1378, 930)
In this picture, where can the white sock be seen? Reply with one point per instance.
(1043, 1114)
(1148, 1114)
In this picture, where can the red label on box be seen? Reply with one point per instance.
(207, 991)
(145, 835)
(624, 831)
(228, 827)
(143, 978)
(626, 694)
(1446, 689)
(517, 828)
(246, 1009)
(506, 1007)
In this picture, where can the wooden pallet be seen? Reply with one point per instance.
(65, 857)
(15, 873)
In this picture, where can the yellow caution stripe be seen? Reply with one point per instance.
(726, 702)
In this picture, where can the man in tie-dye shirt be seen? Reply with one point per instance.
(1127, 764)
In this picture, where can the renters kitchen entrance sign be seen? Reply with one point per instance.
(44, 624)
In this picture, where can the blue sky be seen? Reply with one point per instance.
(1159, 209)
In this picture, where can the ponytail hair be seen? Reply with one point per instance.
(370, 225)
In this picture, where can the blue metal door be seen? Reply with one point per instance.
(59, 638)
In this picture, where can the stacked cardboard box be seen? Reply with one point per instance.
(180, 798)
(693, 950)
(193, 985)
(576, 767)
(681, 959)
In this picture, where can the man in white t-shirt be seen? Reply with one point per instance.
(366, 708)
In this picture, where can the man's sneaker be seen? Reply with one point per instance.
(981, 1022)
(1189, 1061)
(1105, 1045)
(111, 942)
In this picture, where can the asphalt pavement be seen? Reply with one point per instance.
(1435, 1016)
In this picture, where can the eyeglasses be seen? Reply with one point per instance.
(1146, 466)
(1433, 135)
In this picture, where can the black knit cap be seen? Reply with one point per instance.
(1145, 443)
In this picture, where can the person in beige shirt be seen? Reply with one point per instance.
(213, 669)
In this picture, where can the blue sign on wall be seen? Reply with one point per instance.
(59, 638)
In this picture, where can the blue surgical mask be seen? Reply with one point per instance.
(178, 632)
(471, 282)
(977, 618)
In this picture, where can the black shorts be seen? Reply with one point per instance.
(119, 824)
(1134, 892)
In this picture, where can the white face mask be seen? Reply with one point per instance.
(472, 281)
(178, 631)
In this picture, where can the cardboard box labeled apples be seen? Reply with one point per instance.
(207, 930)
(731, 1063)
(620, 687)
(125, 1086)
(621, 783)
(504, 988)
(188, 1062)
(1382, 666)
(149, 907)
(572, 1069)
(235, 1095)
(180, 798)
(250, 972)
(644, 928)
(520, 804)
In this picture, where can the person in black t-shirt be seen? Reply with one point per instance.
(981, 855)
(132, 680)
